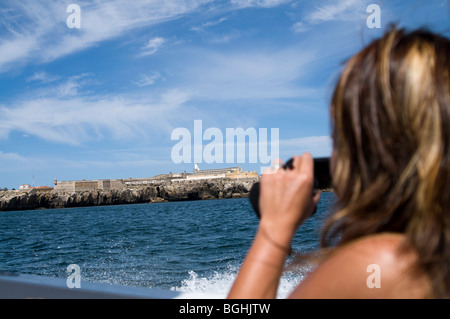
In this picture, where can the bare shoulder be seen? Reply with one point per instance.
(370, 267)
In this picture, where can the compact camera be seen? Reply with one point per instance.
(322, 179)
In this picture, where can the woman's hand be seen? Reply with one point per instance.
(287, 200)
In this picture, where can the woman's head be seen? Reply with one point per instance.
(391, 131)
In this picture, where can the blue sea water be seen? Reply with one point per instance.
(193, 247)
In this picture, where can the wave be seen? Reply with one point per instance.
(218, 284)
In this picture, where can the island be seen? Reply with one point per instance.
(218, 183)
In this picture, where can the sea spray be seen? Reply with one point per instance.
(218, 284)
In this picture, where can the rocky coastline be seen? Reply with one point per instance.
(164, 192)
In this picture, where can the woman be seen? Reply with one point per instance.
(390, 230)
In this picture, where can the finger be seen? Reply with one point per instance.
(274, 167)
(277, 164)
(269, 170)
(297, 163)
(304, 164)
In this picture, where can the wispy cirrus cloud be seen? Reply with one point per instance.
(300, 27)
(226, 37)
(208, 31)
(15, 49)
(152, 46)
(338, 10)
(56, 86)
(326, 11)
(147, 80)
(62, 114)
(42, 77)
(11, 157)
(259, 3)
(208, 24)
(36, 31)
(67, 111)
(250, 74)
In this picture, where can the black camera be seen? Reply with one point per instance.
(322, 179)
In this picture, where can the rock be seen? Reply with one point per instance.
(169, 191)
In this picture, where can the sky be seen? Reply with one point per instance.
(98, 93)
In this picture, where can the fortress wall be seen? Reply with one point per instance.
(65, 187)
(104, 184)
(204, 176)
(242, 175)
(81, 186)
(116, 184)
(119, 184)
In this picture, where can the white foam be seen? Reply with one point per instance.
(215, 286)
(218, 284)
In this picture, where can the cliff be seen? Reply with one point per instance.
(174, 191)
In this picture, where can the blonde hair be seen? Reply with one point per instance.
(391, 131)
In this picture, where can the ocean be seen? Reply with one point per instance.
(192, 247)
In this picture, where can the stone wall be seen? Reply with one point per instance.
(82, 186)
(64, 186)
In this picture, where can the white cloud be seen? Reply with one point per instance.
(213, 23)
(256, 74)
(259, 3)
(15, 49)
(37, 31)
(208, 24)
(73, 120)
(225, 38)
(328, 10)
(214, 38)
(300, 27)
(42, 77)
(56, 86)
(347, 10)
(153, 45)
(71, 86)
(147, 80)
(13, 157)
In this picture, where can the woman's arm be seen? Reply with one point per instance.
(261, 271)
(286, 201)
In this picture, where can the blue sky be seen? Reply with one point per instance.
(101, 101)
